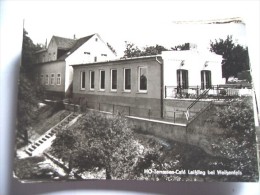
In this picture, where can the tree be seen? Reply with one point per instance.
(133, 51)
(235, 57)
(28, 91)
(98, 141)
(184, 46)
(28, 59)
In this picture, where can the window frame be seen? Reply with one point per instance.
(100, 80)
(58, 78)
(46, 81)
(90, 80)
(139, 81)
(52, 79)
(127, 90)
(81, 80)
(111, 80)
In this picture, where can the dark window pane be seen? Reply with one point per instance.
(114, 79)
(143, 78)
(127, 79)
(92, 79)
(83, 80)
(102, 79)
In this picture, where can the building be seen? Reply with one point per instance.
(140, 86)
(53, 63)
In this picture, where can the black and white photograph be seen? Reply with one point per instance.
(147, 98)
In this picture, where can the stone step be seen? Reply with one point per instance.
(29, 153)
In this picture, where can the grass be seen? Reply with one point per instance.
(47, 118)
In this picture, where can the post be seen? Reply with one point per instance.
(149, 113)
(174, 116)
(113, 108)
(129, 108)
(197, 91)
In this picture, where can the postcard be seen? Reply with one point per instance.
(173, 102)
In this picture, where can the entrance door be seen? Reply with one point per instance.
(205, 79)
(182, 79)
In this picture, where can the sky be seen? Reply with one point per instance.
(143, 23)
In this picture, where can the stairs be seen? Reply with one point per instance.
(48, 137)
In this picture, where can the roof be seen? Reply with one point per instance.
(78, 43)
(158, 58)
(64, 43)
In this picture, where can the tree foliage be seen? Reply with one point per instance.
(28, 59)
(238, 118)
(98, 141)
(133, 51)
(29, 92)
(184, 46)
(235, 56)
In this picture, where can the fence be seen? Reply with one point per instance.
(175, 116)
(215, 91)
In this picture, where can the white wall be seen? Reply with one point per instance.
(194, 62)
(95, 48)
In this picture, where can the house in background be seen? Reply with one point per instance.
(53, 63)
(140, 86)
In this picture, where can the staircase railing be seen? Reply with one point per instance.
(194, 102)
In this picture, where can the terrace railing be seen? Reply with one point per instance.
(215, 92)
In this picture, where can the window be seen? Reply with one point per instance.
(46, 79)
(205, 79)
(142, 77)
(127, 79)
(42, 79)
(96, 39)
(95, 58)
(82, 80)
(52, 79)
(58, 81)
(87, 53)
(102, 80)
(182, 79)
(92, 80)
(103, 54)
(113, 80)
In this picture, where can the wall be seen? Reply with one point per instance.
(96, 47)
(120, 97)
(194, 62)
(176, 108)
(49, 68)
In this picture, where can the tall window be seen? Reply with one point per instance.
(46, 79)
(127, 79)
(113, 80)
(205, 79)
(82, 80)
(182, 79)
(58, 81)
(52, 78)
(102, 80)
(95, 59)
(142, 76)
(92, 80)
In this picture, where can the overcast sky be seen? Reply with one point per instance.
(142, 23)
